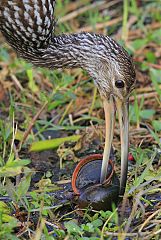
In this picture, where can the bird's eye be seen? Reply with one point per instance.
(119, 84)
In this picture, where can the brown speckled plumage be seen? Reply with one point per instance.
(28, 27)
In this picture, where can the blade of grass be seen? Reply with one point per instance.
(52, 143)
(125, 19)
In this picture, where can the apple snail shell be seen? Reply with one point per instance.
(86, 184)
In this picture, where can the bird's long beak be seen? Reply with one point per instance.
(122, 108)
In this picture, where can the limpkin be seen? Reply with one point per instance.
(28, 26)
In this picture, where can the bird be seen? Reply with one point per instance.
(28, 27)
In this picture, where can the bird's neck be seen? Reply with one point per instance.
(88, 51)
(65, 51)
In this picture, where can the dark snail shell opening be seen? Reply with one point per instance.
(87, 176)
(87, 173)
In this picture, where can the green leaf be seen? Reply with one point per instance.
(144, 66)
(4, 56)
(155, 75)
(88, 227)
(10, 159)
(14, 168)
(151, 57)
(139, 43)
(97, 223)
(53, 143)
(72, 227)
(4, 208)
(157, 125)
(7, 218)
(147, 113)
(10, 171)
(4, 212)
(105, 214)
(18, 163)
(23, 186)
(32, 85)
(141, 178)
(153, 174)
(155, 136)
(156, 36)
(156, 79)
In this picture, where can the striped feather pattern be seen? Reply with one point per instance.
(28, 26)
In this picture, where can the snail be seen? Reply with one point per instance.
(86, 184)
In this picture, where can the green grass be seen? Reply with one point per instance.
(73, 107)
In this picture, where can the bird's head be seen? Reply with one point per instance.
(112, 68)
